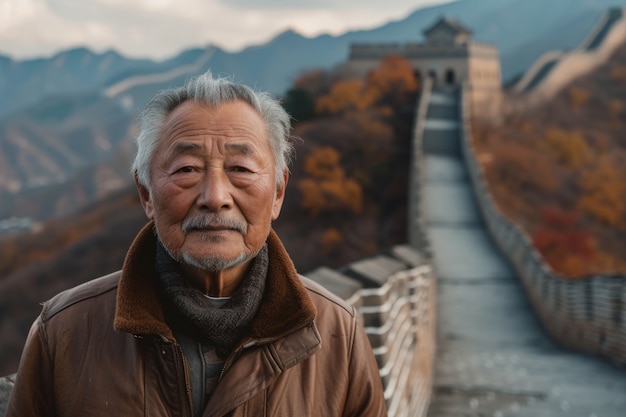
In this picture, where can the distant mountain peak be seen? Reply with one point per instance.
(288, 33)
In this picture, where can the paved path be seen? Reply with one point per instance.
(494, 359)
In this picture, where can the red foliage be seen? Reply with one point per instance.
(563, 244)
(558, 219)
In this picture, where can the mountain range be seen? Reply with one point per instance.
(520, 30)
(61, 114)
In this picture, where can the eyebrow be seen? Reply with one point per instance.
(182, 148)
(240, 148)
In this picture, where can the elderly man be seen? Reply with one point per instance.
(208, 316)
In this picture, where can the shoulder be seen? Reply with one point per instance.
(97, 288)
(321, 295)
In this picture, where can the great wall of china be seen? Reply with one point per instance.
(397, 292)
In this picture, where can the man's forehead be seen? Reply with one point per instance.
(210, 112)
(233, 119)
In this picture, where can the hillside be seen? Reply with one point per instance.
(42, 161)
(560, 172)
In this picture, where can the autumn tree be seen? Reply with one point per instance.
(603, 194)
(520, 168)
(326, 188)
(393, 80)
(563, 243)
(570, 148)
(346, 95)
(332, 240)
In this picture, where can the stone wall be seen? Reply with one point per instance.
(587, 314)
(556, 69)
(395, 295)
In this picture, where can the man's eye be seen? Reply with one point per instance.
(240, 169)
(186, 169)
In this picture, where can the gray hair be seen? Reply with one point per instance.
(215, 92)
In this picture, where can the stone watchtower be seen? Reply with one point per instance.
(449, 57)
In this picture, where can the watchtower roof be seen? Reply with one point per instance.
(450, 25)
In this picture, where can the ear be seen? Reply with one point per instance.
(144, 197)
(280, 195)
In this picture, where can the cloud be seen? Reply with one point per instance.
(353, 5)
(14, 12)
(162, 28)
(30, 26)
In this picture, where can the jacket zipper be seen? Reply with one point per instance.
(185, 372)
(230, 359)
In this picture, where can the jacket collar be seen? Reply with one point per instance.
(285, 307)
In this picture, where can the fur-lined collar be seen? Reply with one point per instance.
(285, 307)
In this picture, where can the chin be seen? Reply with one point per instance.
(215, 263)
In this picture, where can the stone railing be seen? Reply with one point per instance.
(395, 295)
(555, 70)
(587, 314)
(415, 223)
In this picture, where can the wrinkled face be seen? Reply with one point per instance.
(214, 192)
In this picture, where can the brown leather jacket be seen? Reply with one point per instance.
(104, 349)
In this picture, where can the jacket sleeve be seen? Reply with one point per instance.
(365, 391)
(32, 395)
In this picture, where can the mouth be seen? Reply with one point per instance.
(212, 224)
(208, 229)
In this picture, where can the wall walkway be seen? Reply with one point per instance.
(493, 356)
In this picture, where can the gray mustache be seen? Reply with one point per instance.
(212, 220)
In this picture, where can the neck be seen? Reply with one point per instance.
(218, 283)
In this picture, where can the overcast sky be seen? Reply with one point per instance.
(161, 28)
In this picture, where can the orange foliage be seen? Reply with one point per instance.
(578, 97)
(345, 95)
(323, 163)
(331, 240)
(604, 192)
(327, 189)
(389, 82)
(520, 168)
(570, 147)
(393, 75)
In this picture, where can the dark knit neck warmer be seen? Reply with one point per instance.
(192, 313)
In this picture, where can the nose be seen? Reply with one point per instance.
(215, 191)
